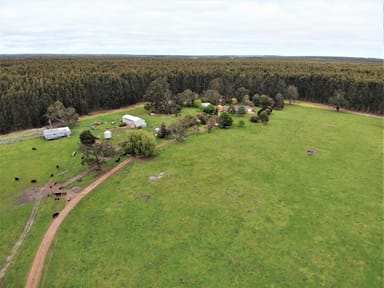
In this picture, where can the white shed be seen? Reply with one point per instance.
(134, 121)
(56, 133)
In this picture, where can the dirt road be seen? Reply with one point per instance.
(342, 110)
(36, 269)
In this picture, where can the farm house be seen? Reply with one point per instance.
(56, 133)
(134, 121)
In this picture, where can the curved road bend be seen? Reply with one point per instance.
(36, 269)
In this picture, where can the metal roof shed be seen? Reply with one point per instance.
(135, 121)
(56, 133)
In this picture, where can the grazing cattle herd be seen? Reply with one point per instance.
(57, 192)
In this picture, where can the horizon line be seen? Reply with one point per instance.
(188, 55)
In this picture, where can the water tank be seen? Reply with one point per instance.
(107, 134)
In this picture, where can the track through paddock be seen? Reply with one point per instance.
(36, 269)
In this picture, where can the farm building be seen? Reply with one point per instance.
(107, 135)
(248, 109)
(134, 121)
(56, 133)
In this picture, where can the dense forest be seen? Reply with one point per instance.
(29, 85)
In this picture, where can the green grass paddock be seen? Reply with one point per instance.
(19, 160)
(244, 207)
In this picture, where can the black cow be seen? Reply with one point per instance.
(57, 166)
(117, 160)
(51, 175)
(17, 178)
(54, 215)
(33, 181)
(34, 148)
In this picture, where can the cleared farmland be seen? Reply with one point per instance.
(242, 207)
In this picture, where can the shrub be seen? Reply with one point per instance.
(163, 132)
(279, 101)
(254, 119)
(264, 117)
(225, 120)
(268, 109)
(256, 100)
(202, 117)
(177, 130)
(211, 122)
(241, 123)
(189, 121)
(197, 103)
(210, 110)
(231, 109)
(139, 143)
(87, 138)
(195, 130)
(246, 100)
(148, 106)
(241, 110)
(175, 109)
(266, 101)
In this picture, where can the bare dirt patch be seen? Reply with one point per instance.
(51, 188)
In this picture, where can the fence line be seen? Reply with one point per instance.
(23, 137)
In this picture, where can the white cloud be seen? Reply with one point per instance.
(295, 27)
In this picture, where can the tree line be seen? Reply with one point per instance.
(29, 86)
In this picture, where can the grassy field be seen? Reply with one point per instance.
(19, 160)
(244, 207)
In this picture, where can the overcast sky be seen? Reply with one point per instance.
(193, 27)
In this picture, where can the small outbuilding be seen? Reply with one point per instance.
(134, 121)
(56, 133)
(107, 134)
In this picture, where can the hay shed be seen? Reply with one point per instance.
(134, 121)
